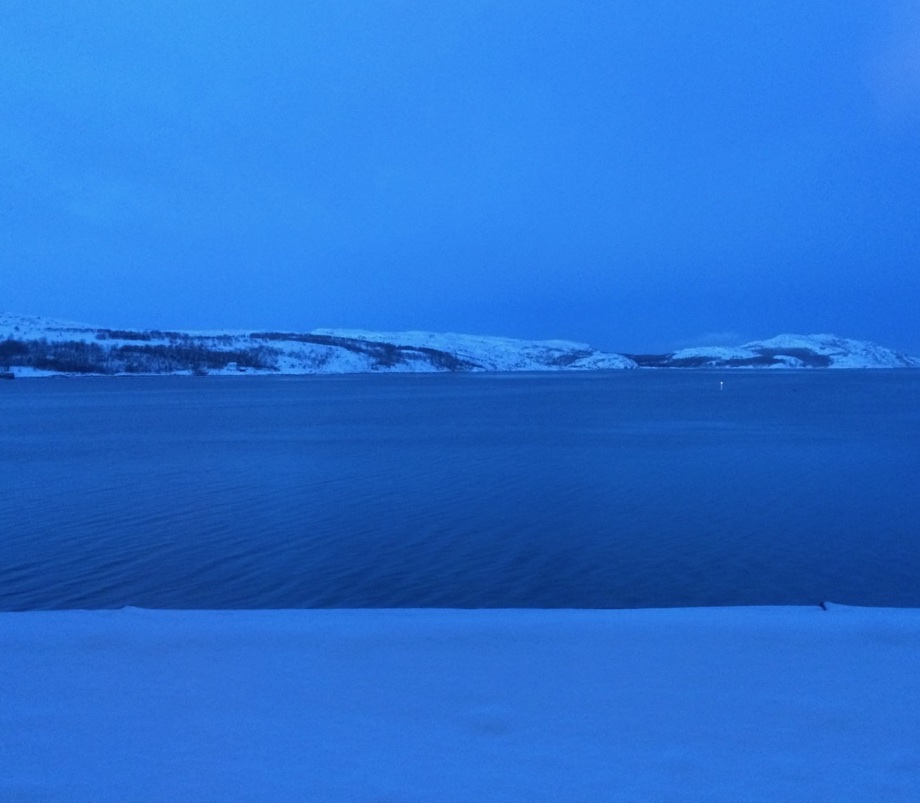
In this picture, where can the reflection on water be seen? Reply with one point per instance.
(622, 489)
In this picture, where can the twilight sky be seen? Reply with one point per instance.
(639, 174)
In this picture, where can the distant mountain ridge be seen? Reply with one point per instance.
(34, 346)
(785, 351)
(38, 346)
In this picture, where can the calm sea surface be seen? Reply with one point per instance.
(620, 489)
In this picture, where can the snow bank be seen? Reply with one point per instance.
(413, 705)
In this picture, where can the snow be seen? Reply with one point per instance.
(725, 704)
(32, 327)
(713, 352)
(495, 353)
(289, 354)
(840, 352)
(29, 373)
(844, 352)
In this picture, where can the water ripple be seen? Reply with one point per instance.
(597, 491)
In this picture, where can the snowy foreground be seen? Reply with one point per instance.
(440, 705)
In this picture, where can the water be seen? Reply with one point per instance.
(620, 489)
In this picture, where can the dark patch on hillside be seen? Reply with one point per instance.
(78, 357)
(765, 358)
(569, 358)
(807, 356)
(193, 357)
(650, 360)
(384, 355)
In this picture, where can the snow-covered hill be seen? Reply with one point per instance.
(35, 346)
(31, 346)
(786, 351)
(495, 353)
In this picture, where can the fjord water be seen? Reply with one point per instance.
(610, 489)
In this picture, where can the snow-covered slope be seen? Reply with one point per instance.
(41, 346)
(786, 351)
(33, 327)
(704, 704)
(30, 346)
(495, 353)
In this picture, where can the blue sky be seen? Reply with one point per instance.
(639, 174)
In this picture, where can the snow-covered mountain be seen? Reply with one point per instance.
(34, 346)
(41, 346)
(786, 351)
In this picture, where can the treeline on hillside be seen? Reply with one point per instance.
(764, 358)
(110, 354)
(79, 357)
(384, 355)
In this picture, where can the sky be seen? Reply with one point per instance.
(641, 175)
